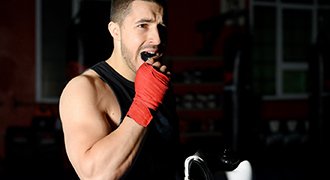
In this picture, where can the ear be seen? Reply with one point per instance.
(114, 30)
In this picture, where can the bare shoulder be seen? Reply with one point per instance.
(86, 96)
(85, 85)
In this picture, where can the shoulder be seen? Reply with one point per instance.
(79, 86)
(83, 92)
(87, 95)
(85, 84)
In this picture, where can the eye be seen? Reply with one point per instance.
(142, 26)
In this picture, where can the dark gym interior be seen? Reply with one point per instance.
(251, 74)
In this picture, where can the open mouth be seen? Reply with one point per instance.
(146, 55)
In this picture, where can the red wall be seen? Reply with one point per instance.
(183, 37)
(17, 62)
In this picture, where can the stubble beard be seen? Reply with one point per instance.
(128, 58)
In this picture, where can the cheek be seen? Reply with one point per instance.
(133, 40)
(134, 44)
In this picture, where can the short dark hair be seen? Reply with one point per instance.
(120, 8)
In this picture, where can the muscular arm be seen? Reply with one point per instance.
(95, 149)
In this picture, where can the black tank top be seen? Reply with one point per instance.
(159, 156)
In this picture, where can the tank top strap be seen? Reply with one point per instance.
(123, 88)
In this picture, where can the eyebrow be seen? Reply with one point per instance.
(145, 20)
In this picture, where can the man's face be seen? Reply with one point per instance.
(140, 31)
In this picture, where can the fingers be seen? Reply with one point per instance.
(158, 66)
(150, 61)
(161, 67)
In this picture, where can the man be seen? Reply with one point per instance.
(118, 117)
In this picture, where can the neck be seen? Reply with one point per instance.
(117, 62)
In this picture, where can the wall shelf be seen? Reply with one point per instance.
(198, 86)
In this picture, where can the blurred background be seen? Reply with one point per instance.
(250, 74)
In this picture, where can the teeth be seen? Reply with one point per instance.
(152, 54)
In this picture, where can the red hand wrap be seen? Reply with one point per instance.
(150, 88)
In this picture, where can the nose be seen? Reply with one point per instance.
(156, 35)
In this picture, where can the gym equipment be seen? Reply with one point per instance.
(205, 163)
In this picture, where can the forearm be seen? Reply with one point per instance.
(110, 157)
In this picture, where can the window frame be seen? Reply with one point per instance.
(280, 65)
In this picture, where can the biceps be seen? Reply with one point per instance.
(82, 132)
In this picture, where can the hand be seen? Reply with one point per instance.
(150, 88)
(159, 67)
(151, 57)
